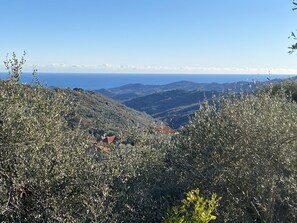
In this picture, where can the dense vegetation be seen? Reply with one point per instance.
(194, 209)
(242, 147)
(50, 172)
(41, 158)
(245, 150)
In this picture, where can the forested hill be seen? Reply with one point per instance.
(97, 112)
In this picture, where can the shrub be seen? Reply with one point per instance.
(45, 172)
(144, 186)
(243, 147)
(286, 87)
(194, 209)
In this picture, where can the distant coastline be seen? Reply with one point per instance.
(89, 81)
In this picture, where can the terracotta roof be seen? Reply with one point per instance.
(110, 139)
(164, 129)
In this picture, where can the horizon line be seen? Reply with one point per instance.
(153, 73)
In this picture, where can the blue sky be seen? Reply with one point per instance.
(150, 36)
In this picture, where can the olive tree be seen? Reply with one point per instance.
(244, 149)
(46, 173)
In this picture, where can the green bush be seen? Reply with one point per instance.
(144, 186)
(244, 148)
(287, 87)
(194, 209)
(45, 172)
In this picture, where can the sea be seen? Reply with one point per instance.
(91, 81)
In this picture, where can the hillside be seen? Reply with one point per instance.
(95, 112)
(173, 107)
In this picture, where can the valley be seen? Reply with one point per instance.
(174, 104)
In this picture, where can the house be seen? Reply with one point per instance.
(110, 139)
(164, 129)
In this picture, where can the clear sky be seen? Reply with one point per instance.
(150, 36)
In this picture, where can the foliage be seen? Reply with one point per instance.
(144, 185)
(44, 169)
(293, 47)
(244, 148)
(14, 66)
(48, 171)
(286, 88)
(194, 209)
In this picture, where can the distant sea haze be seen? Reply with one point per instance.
(89, 81)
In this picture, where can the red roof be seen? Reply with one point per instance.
(164, 129)
(110, 139)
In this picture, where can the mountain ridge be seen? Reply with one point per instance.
(131, 91)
